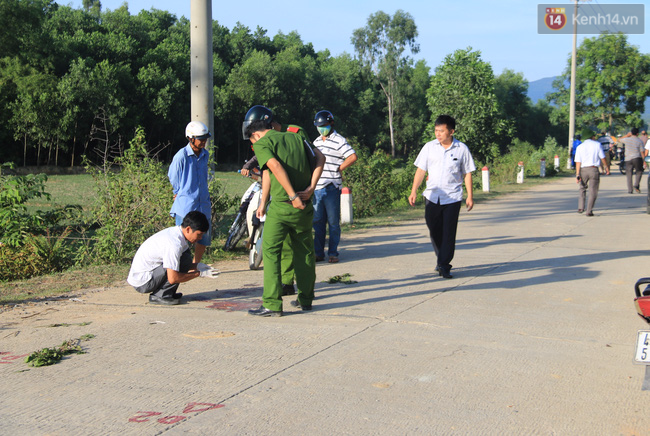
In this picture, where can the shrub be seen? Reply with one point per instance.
(132, 201)
(376, 183)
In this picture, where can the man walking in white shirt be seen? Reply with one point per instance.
(588, 157)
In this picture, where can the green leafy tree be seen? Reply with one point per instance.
(381, 46)
(412, 114)
(612, 83)
(463, 87)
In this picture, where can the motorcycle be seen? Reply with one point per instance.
(642, 350)
(246, 221)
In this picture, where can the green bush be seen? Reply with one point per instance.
(15, 191)
(39, 255)
(376, 183)
(132, 202)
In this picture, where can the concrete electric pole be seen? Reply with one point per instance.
(202, 98)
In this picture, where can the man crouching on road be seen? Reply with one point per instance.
(289, 181)
(164, 261)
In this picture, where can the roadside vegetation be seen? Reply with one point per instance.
(108, 92)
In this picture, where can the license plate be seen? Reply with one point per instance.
(642, 353)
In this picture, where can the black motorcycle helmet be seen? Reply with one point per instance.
(256, 113)
(323, 118)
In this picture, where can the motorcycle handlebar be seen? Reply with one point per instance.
(642, 281)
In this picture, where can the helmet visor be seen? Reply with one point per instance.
(244, 133)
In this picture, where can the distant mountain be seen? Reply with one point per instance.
(539, 88)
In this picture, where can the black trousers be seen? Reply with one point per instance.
(442, 221)
(159, 285)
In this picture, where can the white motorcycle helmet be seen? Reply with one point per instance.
(198, 130)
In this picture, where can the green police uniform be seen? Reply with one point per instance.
(283, 220)
(287, 252)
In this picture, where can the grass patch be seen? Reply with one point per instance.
(58, 284)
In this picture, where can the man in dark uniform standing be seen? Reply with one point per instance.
(289, 180)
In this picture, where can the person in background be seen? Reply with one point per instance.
(634, 153)
(588, 156)
(188, 175)
(327, 197)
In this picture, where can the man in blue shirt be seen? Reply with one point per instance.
(188, 174)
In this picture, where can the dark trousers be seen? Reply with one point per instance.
(159, 285)
(442, 221)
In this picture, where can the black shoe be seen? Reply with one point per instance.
(297, 305)
(263, 311)
(437, 268)
(288, 290)
(154, 299)
(445, 273)
(320, 258)
(638, 191)
(178, 295)
(590, 214)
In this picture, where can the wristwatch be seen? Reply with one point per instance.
(293, 198)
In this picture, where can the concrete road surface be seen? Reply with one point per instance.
(534, 335)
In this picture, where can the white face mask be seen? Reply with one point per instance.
(324, 130)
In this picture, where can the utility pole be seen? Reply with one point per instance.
(202, 98)
(572, 99)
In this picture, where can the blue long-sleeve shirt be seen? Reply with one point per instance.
(188, 174)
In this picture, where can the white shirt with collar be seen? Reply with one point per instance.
(163, 248)
(446, 170)
(589, 154)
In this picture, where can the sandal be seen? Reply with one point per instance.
(333, 259)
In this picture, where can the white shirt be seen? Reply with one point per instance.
(446, 170)
(164, 248)
(336, 149)
(589, 153)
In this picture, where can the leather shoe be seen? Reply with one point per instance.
(288, 290)
(263, 311)
(154, 299)
(297, 305)
(445, 273)
(590, 214)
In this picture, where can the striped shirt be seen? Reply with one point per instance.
(336, 149)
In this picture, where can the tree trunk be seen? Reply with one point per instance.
(25, 152)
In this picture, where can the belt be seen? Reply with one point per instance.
(304, 201)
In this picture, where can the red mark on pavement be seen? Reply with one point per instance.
(145, 417)
(8, 357)
(231, 306)
(189, 408)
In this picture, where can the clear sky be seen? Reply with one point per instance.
(505, 31)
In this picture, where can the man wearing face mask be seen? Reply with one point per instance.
(327, 197)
